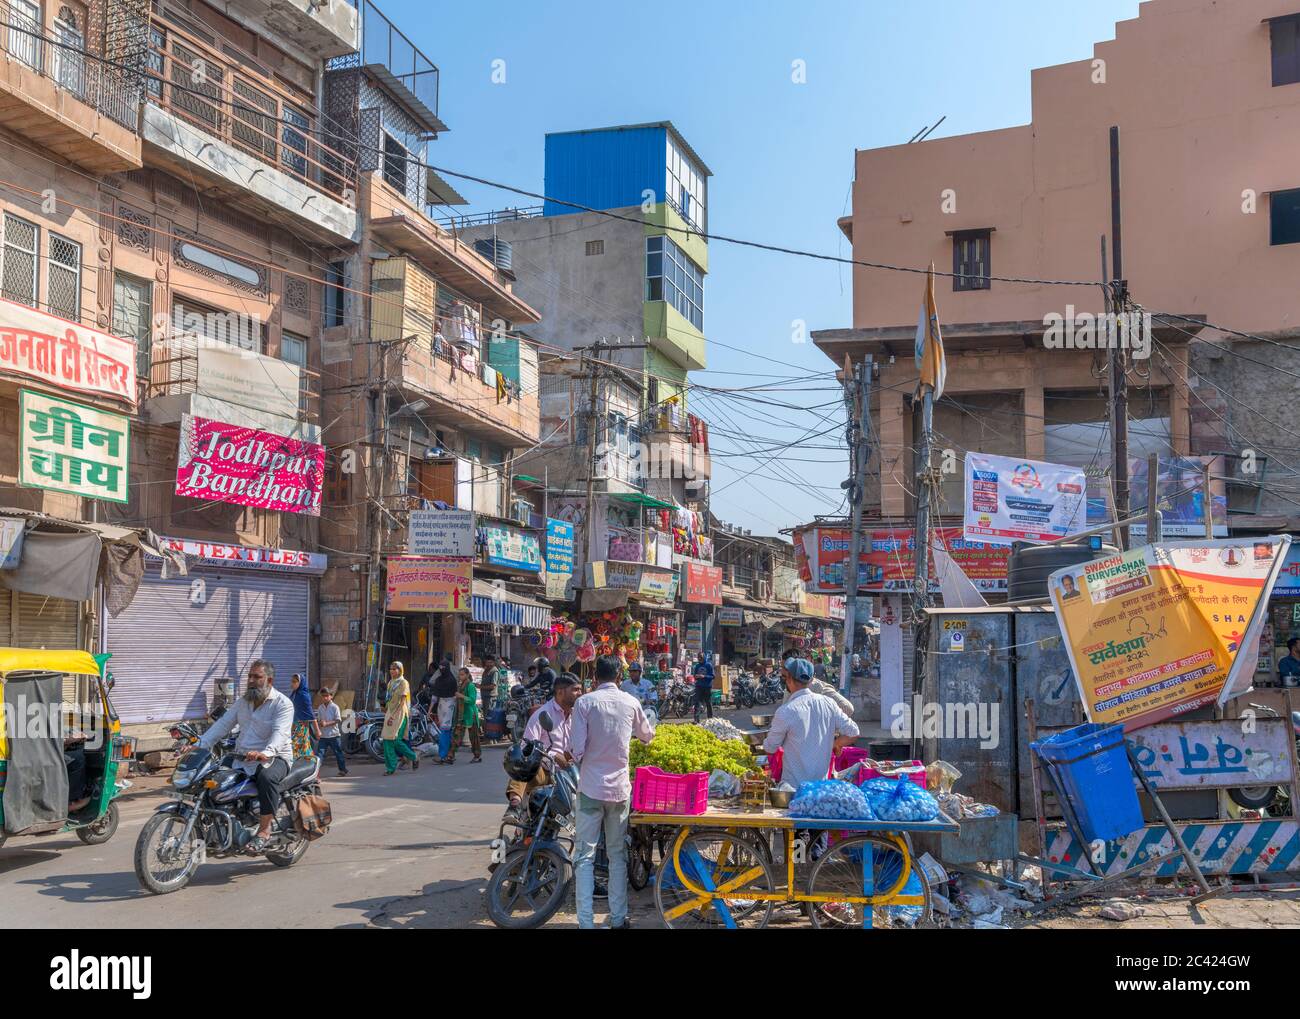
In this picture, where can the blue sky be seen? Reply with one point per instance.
(781, 155)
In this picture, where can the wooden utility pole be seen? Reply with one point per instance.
(1118, 356)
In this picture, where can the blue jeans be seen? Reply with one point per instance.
(334, 743)
(592, 814)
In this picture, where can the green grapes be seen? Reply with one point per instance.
(681, 749)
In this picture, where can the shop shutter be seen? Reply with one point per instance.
(42, 622)
(169, 648)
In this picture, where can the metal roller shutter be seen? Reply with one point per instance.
(170, 647)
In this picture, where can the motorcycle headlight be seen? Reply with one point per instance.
(181, 779)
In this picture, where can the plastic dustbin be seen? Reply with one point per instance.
(1092, 768)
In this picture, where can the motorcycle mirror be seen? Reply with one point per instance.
(544, 720)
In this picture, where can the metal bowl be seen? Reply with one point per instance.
(761, 721)
(780, 798)
(754, 739)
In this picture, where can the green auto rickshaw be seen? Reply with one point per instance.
(59, 761)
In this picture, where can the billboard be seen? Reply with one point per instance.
(248, 466)
(1011, 499)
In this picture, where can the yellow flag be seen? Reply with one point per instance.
(930, 361)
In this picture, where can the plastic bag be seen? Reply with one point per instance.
(899, 800)
(831, 798)
(723, 783)
(940, 776)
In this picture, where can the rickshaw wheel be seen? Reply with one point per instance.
(101, 830)
(712, 858)
(840, 870)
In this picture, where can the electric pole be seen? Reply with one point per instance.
(588, 512)
(1118, 356)
(857, 408)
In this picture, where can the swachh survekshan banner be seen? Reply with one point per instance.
(1155, 632)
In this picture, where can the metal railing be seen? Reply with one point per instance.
(208, 89)
(454, 221)
(110, 90)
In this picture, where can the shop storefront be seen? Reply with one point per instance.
(502, 621)
(701, 592)
(1282, 622)
(236, 604)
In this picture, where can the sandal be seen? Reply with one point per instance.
(258, 845)
(476, 760)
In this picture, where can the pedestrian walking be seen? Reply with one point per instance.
(703, 673)
(445, 690)
(330, 720)
(467, 718)
(603, 725)
(305, 726)
(396, 718)
(487, 688)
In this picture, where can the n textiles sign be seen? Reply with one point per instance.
(66, 355)
(249, 557)
(249, 467)
(67, 447)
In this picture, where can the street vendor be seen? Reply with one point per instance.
(808, 728)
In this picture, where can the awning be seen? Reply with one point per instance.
(493, 603)
(642, 500)
(603, 599)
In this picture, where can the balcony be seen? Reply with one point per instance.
(243, 137)
(322, 29)
(669, 332)
(80, 108)
(388, 56)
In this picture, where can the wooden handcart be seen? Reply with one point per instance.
(722, 871)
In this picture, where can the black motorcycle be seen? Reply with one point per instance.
(213, 811)
(744, 691)
(419, 730)
(535, 870)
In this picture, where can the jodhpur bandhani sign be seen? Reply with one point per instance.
(249, 467)
(1157, 632)
(68, 447)
(429, 584)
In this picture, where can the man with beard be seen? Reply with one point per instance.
(264, 747)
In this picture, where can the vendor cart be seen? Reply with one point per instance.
(721, 870)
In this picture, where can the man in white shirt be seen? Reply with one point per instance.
(264, 747)
(560, 708)
(604, 723)
(808, 728)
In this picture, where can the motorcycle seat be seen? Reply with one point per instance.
(302, 770)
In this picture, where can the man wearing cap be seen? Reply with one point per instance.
(808, 728)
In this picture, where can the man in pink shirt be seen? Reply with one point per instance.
(604, 722)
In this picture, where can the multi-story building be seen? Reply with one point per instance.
(429, 387)
(622, 287)
(1209, 171)
(167, 193)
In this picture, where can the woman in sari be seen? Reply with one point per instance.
(305, 727)
(396, 717)
(468, 717)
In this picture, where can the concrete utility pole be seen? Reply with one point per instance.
(587, 530)
(1118, 357)
(857, 408)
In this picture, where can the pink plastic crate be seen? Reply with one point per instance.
(659, 792)
(914, 770)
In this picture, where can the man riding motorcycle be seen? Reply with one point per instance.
(560, 708)
(544, 681)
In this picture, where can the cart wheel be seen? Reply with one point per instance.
(842, 870)
(710, 860)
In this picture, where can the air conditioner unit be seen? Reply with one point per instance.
(762, 589)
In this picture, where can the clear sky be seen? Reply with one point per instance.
(781, 155)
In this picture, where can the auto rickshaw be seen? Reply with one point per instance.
(47, 746)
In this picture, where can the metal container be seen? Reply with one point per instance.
(754, 739)
(761, 721)
(780, 798)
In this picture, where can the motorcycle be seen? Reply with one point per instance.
(769, 690)
(419, 730)
(744, 692)
(519, 708)
(213, 811)
(354, 742)
(1270, 797)
(677, 699)
(532, 879)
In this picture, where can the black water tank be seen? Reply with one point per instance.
(496, 251)
(1031, 565)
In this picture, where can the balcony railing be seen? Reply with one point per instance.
(174, 370)
(112, 91)
(454, 222)
(383, 44)
(254, 114)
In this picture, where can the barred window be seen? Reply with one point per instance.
(672, 277)
(18, 274)
(64, 284)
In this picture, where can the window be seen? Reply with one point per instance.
(395, 159)
(336, 276)
(295, 141)
(1285, 36)
(1284, 217)
(970, 259)
(24, 32)
(595, 247)
(157, 44)
(18, 277)
(686, 186)
(132, 316)
(294, 350)
(69, 63)
(63, 287)
(672, 277)
(337, 487)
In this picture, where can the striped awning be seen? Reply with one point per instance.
(496, 604)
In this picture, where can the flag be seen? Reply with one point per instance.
(930, 361)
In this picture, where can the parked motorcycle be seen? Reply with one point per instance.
(354, 742)
(744, 691)
(213, 811)
(770, 690)
(1268, 797)
(535, 871)
(419, 730)
(519, 708)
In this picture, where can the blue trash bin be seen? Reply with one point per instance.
(1092, 768)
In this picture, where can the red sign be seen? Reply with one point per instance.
(250, 467)
(703, 584)
(64, 354)
(887, 560)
